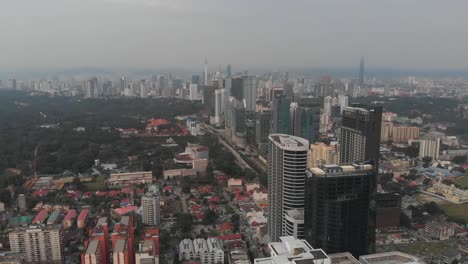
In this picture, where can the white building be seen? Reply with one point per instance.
(249, 91)
(393, 257)
(207, 251)
(294, 223)
(146, 253)
(429, 148)
(38, 244)
(287, 165)
(342, 101)
(193, 92)
(151, 208)
(293, 251)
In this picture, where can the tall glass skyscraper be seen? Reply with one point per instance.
(281, 115)
(337, 207)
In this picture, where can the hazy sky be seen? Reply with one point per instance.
(423, 34)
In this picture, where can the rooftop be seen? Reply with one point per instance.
(92, 247)
(343, 258)
(393, 257)
(336, 170)
(288, 142)
(119, 246)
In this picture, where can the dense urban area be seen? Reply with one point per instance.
(234, 167)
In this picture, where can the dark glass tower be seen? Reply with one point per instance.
(281, 115)
(336, 208)
(305, 119)
(360, 134)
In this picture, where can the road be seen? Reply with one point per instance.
(240, 160)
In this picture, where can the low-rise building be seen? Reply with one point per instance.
(439, 230)
(393, 257)
(130, 178)
(208, 251)
(293, 251)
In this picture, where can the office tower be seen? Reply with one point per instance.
(287, 163)
(220, 102)
(361, 72)
(235, 124)
(337, 207)
(305, 119)
(38, 244)
(249, 92)
(229, 71)
(22, 204)
(123, 84)
(281, 115)
(151, 208)
(205, 80)
(388, 211)
(236, 89)
(209, 99)
(429, 148)
(360, 134)
(262, 129)
(193, 90)
(12, 84)
(196, 79)
(323, 154)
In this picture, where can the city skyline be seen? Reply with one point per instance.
(146, 34)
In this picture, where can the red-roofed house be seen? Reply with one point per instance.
(230, 237)
(81, 222)
(214, 199)
(196, 208)
(101, 193)
(126, 190)
(205, 189)
(226, 227)
(199, 216)
(119, 212)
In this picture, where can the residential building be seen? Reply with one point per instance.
(38, 244)
(208, 251)
(235, 124)
(147, 253)
(130, 178)
(337, 215)
(429, 148)
(69, 219)
(293, 251)
(93, 253)
(151, 208)
(392, 257)
(402, 134)
(120, 253)
(219, 108)
(439, 230)
(323, 154)
(287, 163)
(82, 218)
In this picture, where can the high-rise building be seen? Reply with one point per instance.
(323, 154)
(402, 134)
(360, 134)
(327, 103)
(91, 88)
(220, 106)
(337, 207)
(249, 92)
(123, 84)
(193, 92)
(236, 89)
(229, 71)
(196, 79)
(38, 244)
(235, 124)
(305, 120)
(281, 115)
(151, 208)
(205, 79)
(262, 129)
(361, 72)
(388, 211)
(287, 163)
(22, 204)
(209, 99)
(342, 101)
(429, 148)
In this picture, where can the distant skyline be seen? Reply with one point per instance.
(262, 34)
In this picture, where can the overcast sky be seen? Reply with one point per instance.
(422, 34)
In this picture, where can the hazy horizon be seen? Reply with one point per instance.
(265, 34)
